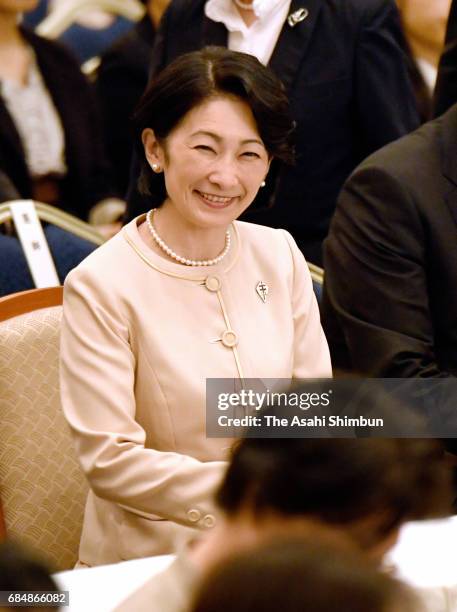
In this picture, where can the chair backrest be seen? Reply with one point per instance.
(42, 487)
(317, 276)
(27, 301)
(55, 216)
(70, 240)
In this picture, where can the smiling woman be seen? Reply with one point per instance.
(213, 164)
(210, 126)
(183, 294)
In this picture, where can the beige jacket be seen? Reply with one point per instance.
(140, 336)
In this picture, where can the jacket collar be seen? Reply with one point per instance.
(293, 41)
(10, 135)
(50, 67)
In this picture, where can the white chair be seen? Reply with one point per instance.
(317, 276)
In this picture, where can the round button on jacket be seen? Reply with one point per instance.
(194, 515)
(229, 339)
(213, 283)
(209, 520)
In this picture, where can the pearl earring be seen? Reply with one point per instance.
(156, 167)
(262, 184)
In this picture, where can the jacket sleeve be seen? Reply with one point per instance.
(375, 289)
(311, 353)
(98, 399)
(386, 105)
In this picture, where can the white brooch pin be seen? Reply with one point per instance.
(297, 16)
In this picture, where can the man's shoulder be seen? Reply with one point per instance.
(405, 180)
(410, 154)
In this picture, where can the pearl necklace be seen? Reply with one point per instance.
(244, 5)
(178, 258)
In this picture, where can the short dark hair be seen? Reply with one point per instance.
(300, 575)
(196, 77)
(339, 481)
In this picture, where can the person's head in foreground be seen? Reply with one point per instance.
(297, 576)
(359, 489)
(210, 124)
(20, 570)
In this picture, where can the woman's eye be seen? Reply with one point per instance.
(251, 154)
(204, 148)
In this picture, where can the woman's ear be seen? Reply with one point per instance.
(153, 150)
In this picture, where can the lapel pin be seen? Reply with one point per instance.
(262, 290)
(297, 16)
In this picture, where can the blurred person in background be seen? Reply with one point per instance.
(355, 492)
(50, 139)
(300, 575)
(342, 65)
(121, 80)
(424, 24)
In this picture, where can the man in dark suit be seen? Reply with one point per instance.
(390, 294)
(343, 67)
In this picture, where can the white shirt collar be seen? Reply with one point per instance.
(226, 12)
(429, 72)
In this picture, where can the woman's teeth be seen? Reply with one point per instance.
(215, 199)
